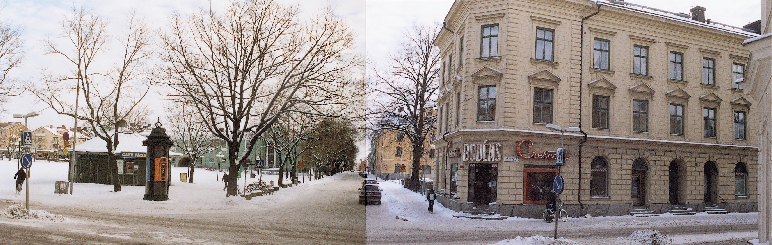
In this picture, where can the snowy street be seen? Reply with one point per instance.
(403, 218)
(319, 211)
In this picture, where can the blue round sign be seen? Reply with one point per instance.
(557, 184)
(26, 160)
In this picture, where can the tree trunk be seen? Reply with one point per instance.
(281, 175)
(114, 171)
(190, 177)
(418, 151)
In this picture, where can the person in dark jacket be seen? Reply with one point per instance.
(225, 179)
(20, 176)
(430, 196)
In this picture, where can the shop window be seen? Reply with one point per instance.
(538, 184)
(130, 167)
(542, 105)
(599, 177)
(740, 180)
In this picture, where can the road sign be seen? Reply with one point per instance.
(26, 138)
(560, 157)
(259, 164)
(557, 184)
(26, 160)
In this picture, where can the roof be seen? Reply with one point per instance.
(127, 143)
(684, 18)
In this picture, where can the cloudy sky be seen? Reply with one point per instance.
(379, 25)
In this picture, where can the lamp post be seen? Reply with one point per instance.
(25, 116)
(560, 160)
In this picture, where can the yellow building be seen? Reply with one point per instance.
(10, 132)
(393, 156)
(656, 99)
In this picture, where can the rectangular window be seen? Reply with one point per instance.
(676, 66)
(461, 51)
(447, 118)
(544, 44)
(600, 107)
(739, 125)
(708, 71)
(676, 119)
(542, 105)
(489, 45)
(538, 184)
(400, 136)
(640, 115)
(709, 117)
(486, 105)
(458, 108)
(397, 168)
(601, 54)
(640, 60)
(738, 75)
(398, 152)
(442, 81)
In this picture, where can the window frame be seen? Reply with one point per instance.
(492, 38)
(676, 71)
(708, 71)
(741, 171)
(398, 151)
(598, 53)
(676, 116)
(640, 116)
(542, 104)
(735, 75)
(742, 122)
(489, 115)
(600, 115)
(545, 41)
(709, 117)
(641, 60)
(594, 182)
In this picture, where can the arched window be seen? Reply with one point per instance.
(599, 180)
(740, 180)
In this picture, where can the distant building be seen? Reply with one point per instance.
(658, 97)
(393, 156)
(10, 132)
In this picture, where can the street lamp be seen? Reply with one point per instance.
(559, 161)
(25, 116)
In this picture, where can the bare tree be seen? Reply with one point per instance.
(407, 92)
(109, 96)
(190, 134)
(243, 69)
(11, 54)
(331, 145)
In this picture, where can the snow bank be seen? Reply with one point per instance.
(17, 211)
(536, 240)
(646, 237)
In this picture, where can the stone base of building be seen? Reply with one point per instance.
(574, 210)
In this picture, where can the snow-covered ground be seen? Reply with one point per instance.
(206, 193)
(404, 211)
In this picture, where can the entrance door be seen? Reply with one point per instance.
(483, 178)
(711, 183)
(675, 182)
(638, 185)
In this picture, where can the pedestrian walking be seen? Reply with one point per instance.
(20, 176)
(225, 179)
(430, 196)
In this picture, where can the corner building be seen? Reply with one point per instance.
(657, 95)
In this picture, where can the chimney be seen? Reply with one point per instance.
(698, 14)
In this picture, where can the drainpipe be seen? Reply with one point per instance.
(581, 73)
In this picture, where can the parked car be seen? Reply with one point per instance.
(369, 181)
(363, 174)
(370, 193)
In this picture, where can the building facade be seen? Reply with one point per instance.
(657, 96)
(393, 156)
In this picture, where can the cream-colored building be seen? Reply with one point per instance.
(657, 96)
(394, 156)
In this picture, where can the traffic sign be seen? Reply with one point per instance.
(259, 164)
(26, 138)
(557, 184)
(560, 157)
(26, 160)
